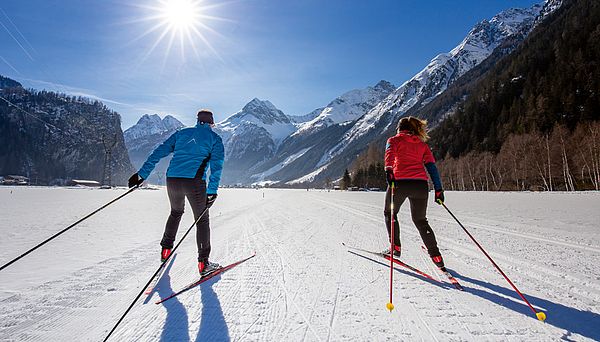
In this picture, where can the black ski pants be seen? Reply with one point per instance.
(417, 192)
(195, 191)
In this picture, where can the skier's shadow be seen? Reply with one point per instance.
(404, 271)
(212, 322)
(176, 327)
(585, 323)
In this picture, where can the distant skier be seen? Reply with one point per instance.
(407, 156)
(193, 148)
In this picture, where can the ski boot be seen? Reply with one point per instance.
(205, 267)
(439, 262)
(164, 254)
(397, 251)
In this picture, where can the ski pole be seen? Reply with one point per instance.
(154, 275)
(64, 230)
(390, 305)
(540, 315)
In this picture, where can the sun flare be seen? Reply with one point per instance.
(180, 22)
(181, 14)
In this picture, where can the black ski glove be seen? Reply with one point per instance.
(439, 196)
(389, 176)
(135, 180)
(210, 199)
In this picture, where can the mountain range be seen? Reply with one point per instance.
(51, 137)
(327, 140)
(265, 146)
(143, 137)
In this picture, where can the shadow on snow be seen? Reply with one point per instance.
(585, 323)
(176, 328)
(406, 271)
(212, 322)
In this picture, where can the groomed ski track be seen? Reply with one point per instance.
(302, 285)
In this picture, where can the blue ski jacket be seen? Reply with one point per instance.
(192, 147)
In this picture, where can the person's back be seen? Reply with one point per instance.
(407, 156)
(195, 150)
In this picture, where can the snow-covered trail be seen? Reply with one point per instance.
(303, 284)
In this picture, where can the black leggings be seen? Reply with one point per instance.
(195, 191)
(417, 193)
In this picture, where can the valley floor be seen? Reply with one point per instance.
(303, 285)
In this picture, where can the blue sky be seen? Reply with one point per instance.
(298, 54)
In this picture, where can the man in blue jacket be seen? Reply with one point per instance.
(194, 150)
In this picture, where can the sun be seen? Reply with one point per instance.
(181, 14)
(180, 22)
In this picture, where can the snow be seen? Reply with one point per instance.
(261, 114)
(277, 167)
(150, 125)
(347, 107)
(303, 284)
(309, 177)
(443, 69)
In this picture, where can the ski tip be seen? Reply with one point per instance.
(541, 316)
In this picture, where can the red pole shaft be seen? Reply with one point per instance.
(491, 260)
(392, 242)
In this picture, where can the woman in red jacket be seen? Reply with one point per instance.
(407, 156)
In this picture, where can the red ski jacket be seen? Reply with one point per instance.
(407, 155)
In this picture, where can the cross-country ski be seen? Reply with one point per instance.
(206, 277)
(394, 260)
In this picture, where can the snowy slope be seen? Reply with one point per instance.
(346, 138)
(251, 136)
(445, 68)
(149, 125)
(143, 137)
(303, 149)
(302, 285)
(63, 137)
(347, 107)
(257, 113)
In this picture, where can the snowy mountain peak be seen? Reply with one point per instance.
(151, 124)
(489, 34)
(347, 107)
(170, 123)
(445, 68)
(384, 85)
(258, 121)
(260, 111)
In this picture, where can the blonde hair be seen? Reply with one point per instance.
(415, 126)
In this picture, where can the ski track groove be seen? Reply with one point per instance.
(309, 324)
(465, 220)
(576, 284)
(273, 301)
(59, 309)
(450, 294)
(281, 284)
(414, 235)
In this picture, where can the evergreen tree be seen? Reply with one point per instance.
(346, 180)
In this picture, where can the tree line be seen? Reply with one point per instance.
(561, 160)
(557, 161)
